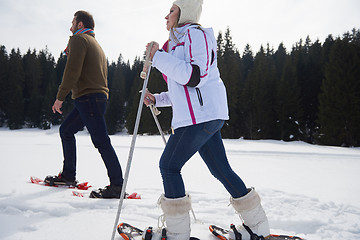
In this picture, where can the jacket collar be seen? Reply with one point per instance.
(176, 34)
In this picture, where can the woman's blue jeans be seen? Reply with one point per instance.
(204, 138)
(89, 111)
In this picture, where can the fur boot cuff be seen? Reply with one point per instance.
(247, 202)
(176, 206)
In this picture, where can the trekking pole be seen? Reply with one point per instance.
(131, 152)
(155, 112)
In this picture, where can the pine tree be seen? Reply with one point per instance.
(280, 57)
(116, 107)
(14, 107)
(308, 59)
(260, 98)
(48, 81)
(32, 96)
(288, 107)
(340, 98)
(133, 100)
(326, 48)
(248, 60)
(4, 60)
(247, 66)
(220, 45)
(230, 67)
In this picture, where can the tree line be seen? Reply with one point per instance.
(310, 93)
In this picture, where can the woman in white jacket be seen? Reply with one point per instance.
(197, 95)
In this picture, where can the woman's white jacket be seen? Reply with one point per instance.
(191, 45)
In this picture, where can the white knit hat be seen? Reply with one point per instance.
(190, 10)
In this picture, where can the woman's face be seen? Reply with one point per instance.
(173, 17)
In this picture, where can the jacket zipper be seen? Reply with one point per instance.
(198, 92)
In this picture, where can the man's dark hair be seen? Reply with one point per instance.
(86, 18)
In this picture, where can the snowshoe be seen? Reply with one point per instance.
(234, 234)
(129, 232)
(111, 191)
(39, 181)
(60, 180)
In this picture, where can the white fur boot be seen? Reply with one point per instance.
(177, 218)
(250, 210)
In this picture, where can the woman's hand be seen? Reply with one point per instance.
(149, 99)
(152, 51)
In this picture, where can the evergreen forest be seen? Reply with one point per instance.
(309, 93)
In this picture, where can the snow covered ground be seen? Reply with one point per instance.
(309, 191)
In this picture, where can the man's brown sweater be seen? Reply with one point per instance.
(86, 68)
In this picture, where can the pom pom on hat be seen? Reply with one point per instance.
(190, 10)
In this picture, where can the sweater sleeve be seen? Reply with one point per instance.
(73, 68)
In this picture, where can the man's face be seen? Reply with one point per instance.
(74, 25)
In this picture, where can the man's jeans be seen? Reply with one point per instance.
(89, 111)
(204, 138)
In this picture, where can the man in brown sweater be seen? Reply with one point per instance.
(85, 76)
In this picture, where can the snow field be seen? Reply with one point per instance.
(307, 190)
